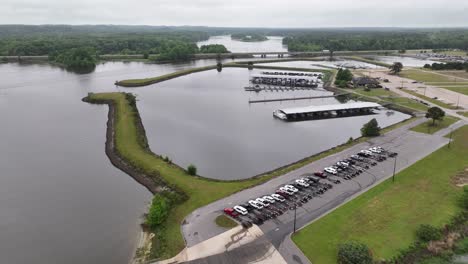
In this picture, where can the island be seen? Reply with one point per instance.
(249, 37)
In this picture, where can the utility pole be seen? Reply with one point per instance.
(394, 169)
(450, 140)
(458, 101)
(295, 206)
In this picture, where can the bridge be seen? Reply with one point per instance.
(281, 54)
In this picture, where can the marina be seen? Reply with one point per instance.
(326, 111)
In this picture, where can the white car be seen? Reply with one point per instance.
(302, 183)
(366, 152)
(290, 187)
(375, 150)
(278, 197)
(241, 210)
(286, 190)
(330, 170)
(262, 202)
(344, 164)
(255, 204)
(268, 199)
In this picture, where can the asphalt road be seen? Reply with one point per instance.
(411, 147)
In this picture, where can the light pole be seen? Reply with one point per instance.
(295, 206)
(450, 140)
(394, 169)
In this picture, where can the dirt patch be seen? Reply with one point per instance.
(461, 179)
(437, 247)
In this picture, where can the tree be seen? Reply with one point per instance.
(435, 113)
(371, 129)
(158, 211)
(343, 76)
(396, 67)
(191, 169)
(353, 252)
(427, 233)
(464, 198)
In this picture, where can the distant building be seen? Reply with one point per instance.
(366, 82)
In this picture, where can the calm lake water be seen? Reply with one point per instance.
(323, 64)
(61, 199)
(273, 44)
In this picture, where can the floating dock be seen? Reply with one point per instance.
(294, 98)
(286, 80)
(325, 111)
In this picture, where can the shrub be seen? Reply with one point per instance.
(371, 129)
(145, 55)
(158, 211)
(427, 233)
(464, 198)
(191, 169)
(462, 246)
(353, 252)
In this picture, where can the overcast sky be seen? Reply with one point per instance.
(241, 13)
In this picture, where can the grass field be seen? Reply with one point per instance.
(374, 92)
(463, 113)
(407, 102)
(224, 221)
(458, 89)
(428, 128)
(386, 217)
(425, 76)
(434, 101)
(201, 191)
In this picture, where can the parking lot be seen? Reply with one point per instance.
(409, 145)
(309, 186)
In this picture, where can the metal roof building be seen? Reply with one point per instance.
(325, 111)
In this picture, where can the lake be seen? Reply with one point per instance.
(63, 202)
(273, 44)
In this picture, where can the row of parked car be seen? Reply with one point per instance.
(310, 185)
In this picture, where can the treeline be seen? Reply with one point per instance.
(213, 48)
(103, 44)
(447, 66)
(377, 40)
(76, 59)
(252, 37)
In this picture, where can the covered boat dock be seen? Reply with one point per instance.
(325, 111)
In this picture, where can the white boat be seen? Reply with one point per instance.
(279, 114)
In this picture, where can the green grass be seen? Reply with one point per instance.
(429, 128)
(463, 113)
(458, 89)
(374, 92)
(432, 100)
(425, 76)
(201, 191)
(224, 221)
(157, 79)
(362, 59)
(386, 217)
(407, 102)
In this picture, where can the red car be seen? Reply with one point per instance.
(231, 212)
(320, 174)
(285, 195)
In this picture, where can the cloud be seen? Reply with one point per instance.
(247, 13)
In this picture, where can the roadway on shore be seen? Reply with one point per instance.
(199, 226)
(428, 90)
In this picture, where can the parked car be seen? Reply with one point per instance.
(302, 183)
(241, 210)
(330, 170)
(255, 205)
(320, 174)
(282, 193)
(278, 197)
(392, 154)
(286, 190)
(268, 199)
(264, 203)
(290, 187)
(375, 150)
(313, 178)
(231, 212)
